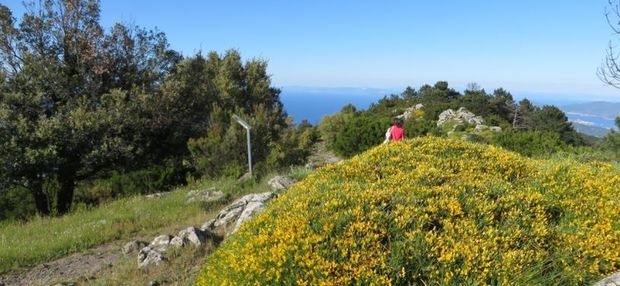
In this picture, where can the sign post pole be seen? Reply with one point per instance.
(247, 129)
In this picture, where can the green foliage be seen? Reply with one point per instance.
(123, 184)
(529, 143)
(361, 133)
(16, 204)
(69, 103)
(348, 136)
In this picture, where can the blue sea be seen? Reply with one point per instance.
(313, 104)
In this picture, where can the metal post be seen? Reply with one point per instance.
(247, 129)
(249, 152)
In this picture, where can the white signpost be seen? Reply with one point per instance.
(247, 129)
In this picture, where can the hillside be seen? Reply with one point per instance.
(432, 211)
(603, 109)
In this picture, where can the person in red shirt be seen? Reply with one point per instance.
(397, 132)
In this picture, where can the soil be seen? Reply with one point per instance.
(78, 266)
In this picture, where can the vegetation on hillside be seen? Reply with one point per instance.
(94, 114)
(432, 211)
(527, 129)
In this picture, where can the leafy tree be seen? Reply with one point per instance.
(68, 107)
(552, 119)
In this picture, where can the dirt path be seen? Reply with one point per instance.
(78, 266)
(321, 155)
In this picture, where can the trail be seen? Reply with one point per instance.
(82, 266)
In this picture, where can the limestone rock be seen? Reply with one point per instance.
(613, 280)
(208, 226)
(495, 129)
(161, 243)
(278, 183)
(193, 235)
(444, 116)
(157, 195)
(230, 218)
(148, 256)
(462, 115)
(177, 242)
(480, 127)
(208, 195)
(249, 211)
(133, 246)
(409, 111)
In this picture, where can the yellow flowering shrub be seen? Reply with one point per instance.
(432, 211)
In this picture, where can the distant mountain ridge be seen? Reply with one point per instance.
(607, 110)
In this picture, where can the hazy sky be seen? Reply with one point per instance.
(527, 45)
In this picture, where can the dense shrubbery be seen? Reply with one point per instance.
(529, 143)
(547, 125)
(432, 211)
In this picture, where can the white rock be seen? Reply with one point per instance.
(208, 226)
(249, 211)
(495, 129)
(208, 195)
(133, 246)
(444, 116)
(193, 235)
(613, 280)
(177, 242)
(480, 127)
(157, 195)
(231, 217)
(161, 243)
(148, 256)
(278, 183)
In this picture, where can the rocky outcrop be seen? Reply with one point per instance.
(208, 195)
(230, 218)
(279, 183)
(459, 121)
(227, 222)
(133, 246)
(613, 280)
(410, 111)
(459, 117)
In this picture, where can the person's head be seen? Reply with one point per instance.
(398, 122)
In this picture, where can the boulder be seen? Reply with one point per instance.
(207, 195)
(495, 129)
(445, 116)
(480, 127)
(161, 243)
(208, 226)
(462, 115)
(279, 183)
(177, 242)
(133, 246)
(613, 280)
(249, 211)
(231, 217)
(193, 235)
(148, 256)
(467, 116)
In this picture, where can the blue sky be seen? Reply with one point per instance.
(549, 47)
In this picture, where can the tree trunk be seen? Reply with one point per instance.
(40, 199)
(64, 197)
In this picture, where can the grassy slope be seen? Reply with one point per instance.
(44, 239)
(433, 211)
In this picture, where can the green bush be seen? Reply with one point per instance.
(529, 143)
(362, 132)
(123, 184)
(16, 203)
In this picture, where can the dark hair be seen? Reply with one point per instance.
(398, 121)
